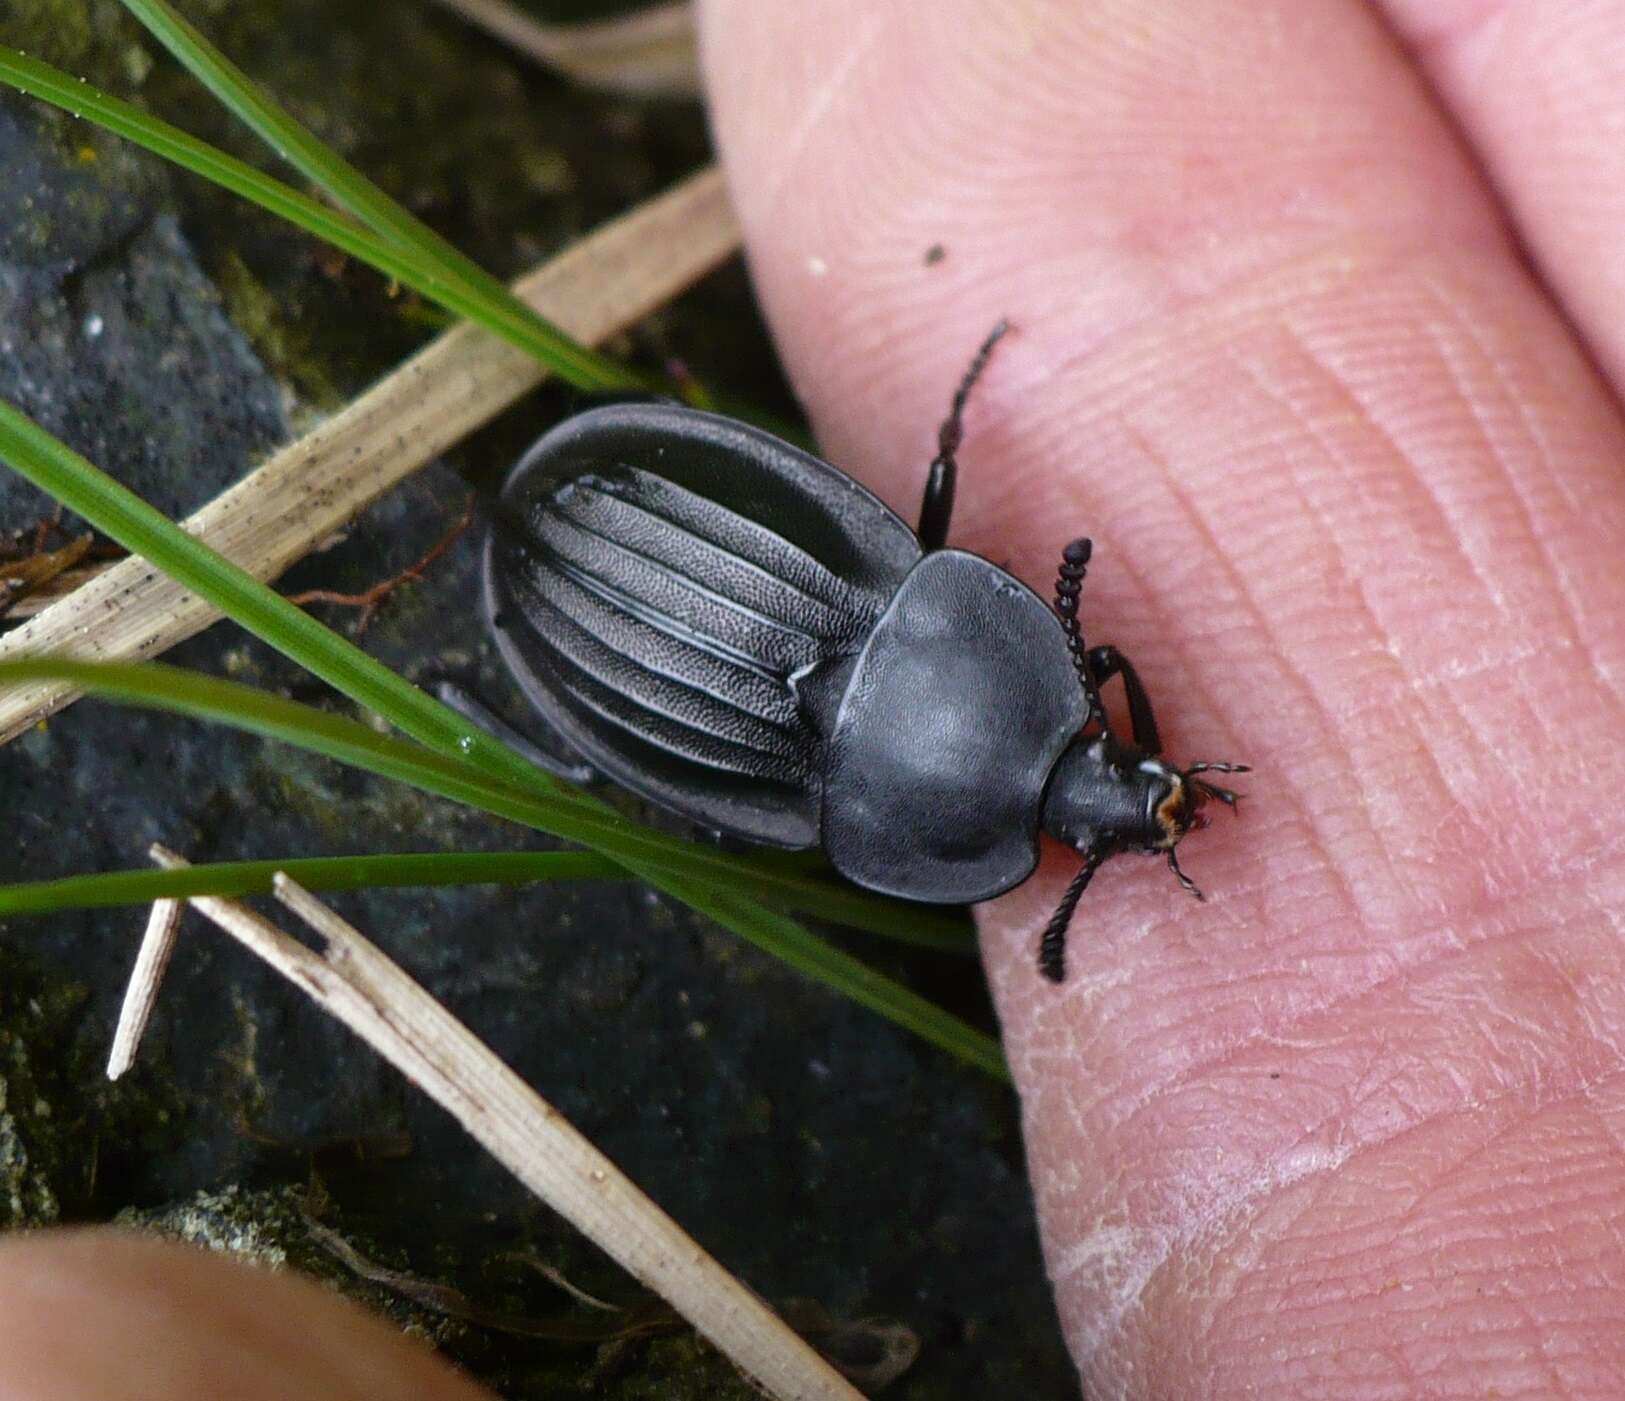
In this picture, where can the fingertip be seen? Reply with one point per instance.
(105, 1315)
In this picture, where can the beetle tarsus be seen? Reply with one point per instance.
(937, 506)
(1212, 790)
(1183, 879)
(1224, 795)
(1052, 948)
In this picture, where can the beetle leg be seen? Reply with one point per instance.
(1052, 949)
(476, 712)
(1190, 885)
(937, 506)
(1106, 662)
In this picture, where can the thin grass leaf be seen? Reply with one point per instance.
(123, 516)
(509, 318)
(653, 855)
(352, 190)
(241, 878)
(771, 932)
(684, 870)
(119, 513)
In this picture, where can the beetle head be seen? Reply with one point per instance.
(1106, 796)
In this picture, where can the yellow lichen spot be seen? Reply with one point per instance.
(87, 155)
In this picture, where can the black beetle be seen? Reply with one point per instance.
(743, 634)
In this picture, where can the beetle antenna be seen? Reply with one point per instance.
(938, 506)
(952, 433)
(1184, 880)
(1052, 948)
(1069, 584)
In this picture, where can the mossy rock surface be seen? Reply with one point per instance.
(176, 337)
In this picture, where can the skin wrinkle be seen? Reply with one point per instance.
(1514, 392)
(765, 197)
(1538, 93)
(1170, 1243)
(1442, 789)
(1491, 1201)
(1308, 1208)
(1530, 531)
(1308, 812)
(1581, 1091)
(1446, 532)
(1518, 492)
(1334, 539)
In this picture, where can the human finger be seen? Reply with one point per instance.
(1539, 91)
(101, 1315)
(1351, 485)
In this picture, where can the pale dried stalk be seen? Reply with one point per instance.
(651, 53)
(354, 981)
(309, 489)
(142, 993)
(42, 596)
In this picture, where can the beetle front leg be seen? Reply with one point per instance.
(937, 505)
(1106, 662)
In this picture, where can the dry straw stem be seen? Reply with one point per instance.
(650, 53)
(353, 980)
(142, 993)
(309, 489)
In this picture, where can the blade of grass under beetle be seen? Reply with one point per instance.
(638, 849)
(370, 872)
(663, 861)
(348, 187)
(119, 513)
(422, 716)
(426, 275)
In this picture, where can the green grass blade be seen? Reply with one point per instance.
(235, 879)
(508, 317)
(123, 516)
(504, 779)
(352, 190)
(772, 933)
(688, 872)
(651, 854)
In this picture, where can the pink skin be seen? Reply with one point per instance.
(1353, 1128)
(104, 1316)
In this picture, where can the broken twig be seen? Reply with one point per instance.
(353, 980)
(142, 993)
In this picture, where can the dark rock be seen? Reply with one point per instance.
(815, 1149)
